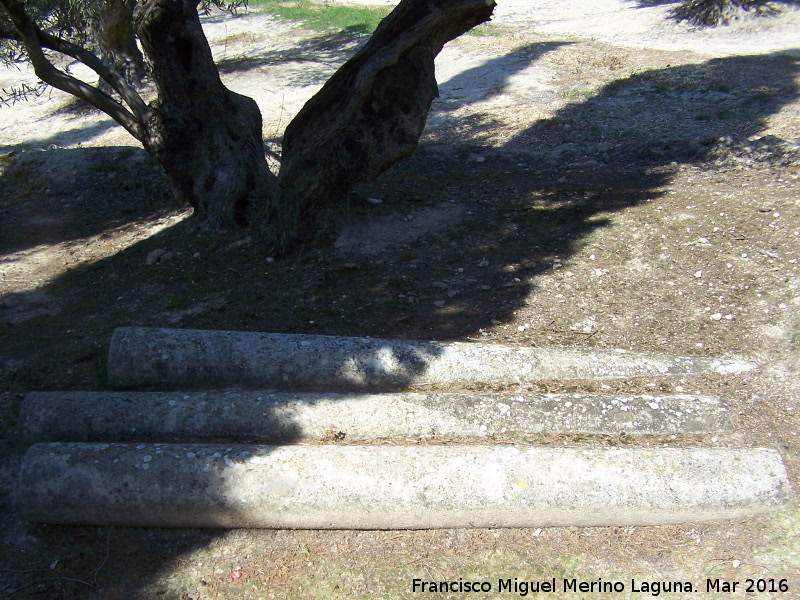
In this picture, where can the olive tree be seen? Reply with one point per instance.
(208, 139)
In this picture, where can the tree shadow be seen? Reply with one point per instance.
(76, 135)
(600, 154)
(326, 49)
(664, 115)
(58, 195)
(494, 76)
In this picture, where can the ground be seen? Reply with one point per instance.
(592, 180)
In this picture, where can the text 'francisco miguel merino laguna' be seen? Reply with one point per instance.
(523, 588)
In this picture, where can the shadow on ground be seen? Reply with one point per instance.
(526, 204)
(58, 195)
(329, 49)
(76, 135)
(494, 75)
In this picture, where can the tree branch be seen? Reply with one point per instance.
(30, 36)
(117, 82)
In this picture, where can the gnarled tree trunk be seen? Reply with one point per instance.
(370, 114)
(207, 138)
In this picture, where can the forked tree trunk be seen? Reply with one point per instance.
(208, 139)
(370, 114)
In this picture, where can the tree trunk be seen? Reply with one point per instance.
(117, 40)
(207, 138)
(370, 114)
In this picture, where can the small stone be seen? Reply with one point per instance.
(476, 158)
(587, 325)
(483, 263)
(439, 303)
(439, 285)
(698, 274)
(157, 256)
(270, 259)
(716, 317)
(239, 243)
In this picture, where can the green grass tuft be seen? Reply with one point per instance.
(324, 16)
(485, 30)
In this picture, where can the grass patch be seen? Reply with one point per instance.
(325, 16)
(485, 30)
(176, 301)
(243, 37)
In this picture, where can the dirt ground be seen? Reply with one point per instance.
(577, 186)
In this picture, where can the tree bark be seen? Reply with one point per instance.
(207, 138)
(370, 114)
(117, 39)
